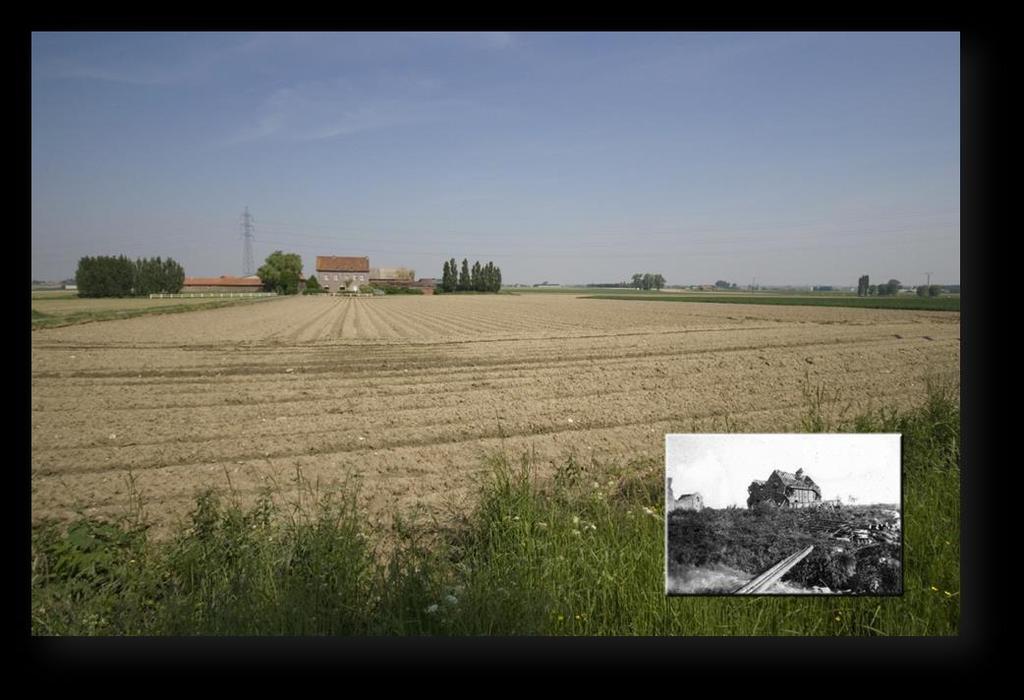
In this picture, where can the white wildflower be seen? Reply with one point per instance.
(431, 609)
(451, 600)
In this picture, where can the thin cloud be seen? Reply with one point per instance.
(328, 109)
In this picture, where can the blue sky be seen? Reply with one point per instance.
(792, 158)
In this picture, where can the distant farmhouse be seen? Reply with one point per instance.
(687, 501)
(337, 273)
(784, 489)
(394, 276)
(224, 283)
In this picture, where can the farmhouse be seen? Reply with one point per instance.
(224, 283)
(337, 272)
(690, 501)
(784, 489)
(687, 501)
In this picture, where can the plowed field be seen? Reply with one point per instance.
(408, 392)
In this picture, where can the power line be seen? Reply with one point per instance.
(247, 262)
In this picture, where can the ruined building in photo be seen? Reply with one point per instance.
(784, 489)
(686, 501)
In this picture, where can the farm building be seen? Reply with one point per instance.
(398, 276)
(337, 272)
(690, 501)
(784, 489)
(686, 501)
(224, 283)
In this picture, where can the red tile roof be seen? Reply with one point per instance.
(334, 263)
(223, 281)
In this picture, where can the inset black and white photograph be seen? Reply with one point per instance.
(783, 514)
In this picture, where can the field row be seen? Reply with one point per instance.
(411, 416)
(416, 320)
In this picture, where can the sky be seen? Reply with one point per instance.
(775, 158)
(720, 467)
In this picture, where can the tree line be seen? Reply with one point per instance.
(478, 278)
(648, 281)
(110, 276)
(886, 289)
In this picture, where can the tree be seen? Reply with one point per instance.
(465, 282)
(105, 276)
(889, 288)
(922, 291)
(476, 278)
(173, 277)
(721, 284)
(934, 290)
(281, 272)
(446, 278)
(148, 276)
(862, 286)
(872, 290)
(313, 285)
(491, 282)
(659, 281)
(638, 280)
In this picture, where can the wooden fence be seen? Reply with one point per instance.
(201, 295)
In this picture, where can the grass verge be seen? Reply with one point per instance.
(45, 320)
(581, 553)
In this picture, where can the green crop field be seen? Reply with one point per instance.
(914, 303)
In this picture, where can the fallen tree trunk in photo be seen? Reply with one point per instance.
(759, 584)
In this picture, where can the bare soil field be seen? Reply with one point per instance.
(406, 393)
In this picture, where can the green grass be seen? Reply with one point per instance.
(578, 554)
(576, 290)
(941, 303)
(54, 320)
(54, 294)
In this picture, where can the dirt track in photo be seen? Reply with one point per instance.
(408, 392)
